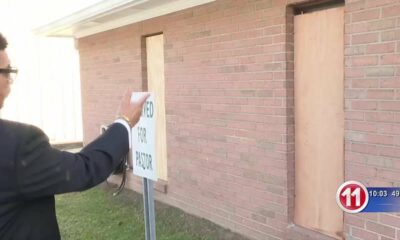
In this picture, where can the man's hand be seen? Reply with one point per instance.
(132, 111)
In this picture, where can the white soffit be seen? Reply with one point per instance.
(110, 14)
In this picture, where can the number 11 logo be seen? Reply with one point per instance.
(352, 197)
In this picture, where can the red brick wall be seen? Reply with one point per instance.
(229, 106)
(372, 79)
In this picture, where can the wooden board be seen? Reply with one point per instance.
(156, 84)
(319, 119)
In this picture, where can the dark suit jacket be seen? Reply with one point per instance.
(31, 172)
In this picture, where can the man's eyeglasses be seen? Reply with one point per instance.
(10, 73)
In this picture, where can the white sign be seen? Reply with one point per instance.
(144, 140)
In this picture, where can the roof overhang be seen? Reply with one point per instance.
(110, 14)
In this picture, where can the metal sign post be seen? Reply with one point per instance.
(149, 214)
(144, 159)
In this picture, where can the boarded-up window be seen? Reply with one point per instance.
(319, 119)
(154, 46)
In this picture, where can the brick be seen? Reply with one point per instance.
(364, 148)
(364, 38)
(354, 220)
(354, 6)
(366, 15)
(379, 117)
(355, 136)
(354, 158)
(380, 94)
(392, 129)
(379, 161)
(273, 66)
(279, 38)
(379, 139)
(279, 20)
(259, 218)
(263, 5)
(386, 238)
(391, 11)
(363, 234)
(388, 175)
(365, 83)
(354, 115)
(364, 61)
(364, 105)
(392, 59)
(371, 216)
(353, 73)
(355, 93)
(390, 105)
(390, 35)
(273, 30)
(390, 83)
(397, 140)
(381, 229)
(276, 48)
(381, 24)
(380, 182)
(357, 50)
(381, 48)
(363, 126)
(390, 152)
(356, 28)
(347, 125)
(380, 71)
(233, 69)
(398, 42)
(347, 39)
(375, 3)
(390, 220)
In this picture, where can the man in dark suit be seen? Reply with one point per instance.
(32, 172)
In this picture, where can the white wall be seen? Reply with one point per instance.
(47, 90)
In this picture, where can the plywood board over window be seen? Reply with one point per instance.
(156, 84)
(319, 119)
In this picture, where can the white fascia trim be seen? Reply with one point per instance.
(73, 21)
(104, 7)
(141, 16)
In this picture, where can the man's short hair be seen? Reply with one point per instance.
(3, 42)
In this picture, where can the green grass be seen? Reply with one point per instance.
(97, 215)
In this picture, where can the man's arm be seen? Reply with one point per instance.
(44, 171)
